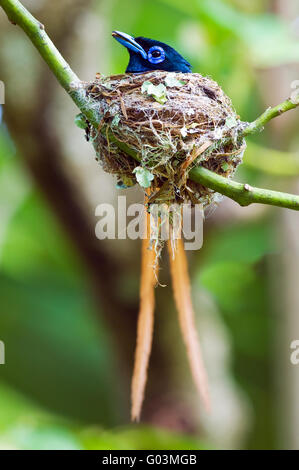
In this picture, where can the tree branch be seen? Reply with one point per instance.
(269, 114)
(17, 14)
(35, 30)
(243, 194)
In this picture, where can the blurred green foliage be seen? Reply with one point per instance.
(47, 317)
(60, 351)
(23, 425)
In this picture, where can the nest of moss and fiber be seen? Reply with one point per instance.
(172, 122)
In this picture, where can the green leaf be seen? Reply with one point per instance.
(231, 122)
(80, 121)
(145, 86)
(172, 81)
(143, 176)
(158, 92)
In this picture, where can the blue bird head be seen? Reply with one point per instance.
(148, 54)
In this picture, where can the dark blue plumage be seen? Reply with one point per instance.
(148, 54)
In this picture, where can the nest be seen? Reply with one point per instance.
(173, 122)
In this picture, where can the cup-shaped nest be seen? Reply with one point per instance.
(172, 122)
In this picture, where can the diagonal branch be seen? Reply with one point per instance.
(269, 114)
(243, 194)
(35, 30)
(18, 14)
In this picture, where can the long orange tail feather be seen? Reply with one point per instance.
(182, 295)
(145, 323)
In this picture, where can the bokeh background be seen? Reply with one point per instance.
(69, 302)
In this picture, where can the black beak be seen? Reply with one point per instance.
(129, 42)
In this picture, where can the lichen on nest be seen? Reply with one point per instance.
(173, 122)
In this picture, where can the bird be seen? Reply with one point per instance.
(147, 55)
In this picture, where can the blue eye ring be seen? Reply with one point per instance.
(159, 52)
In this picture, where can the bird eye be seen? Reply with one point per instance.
(156, 55)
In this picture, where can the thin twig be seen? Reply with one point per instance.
(269, 114)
